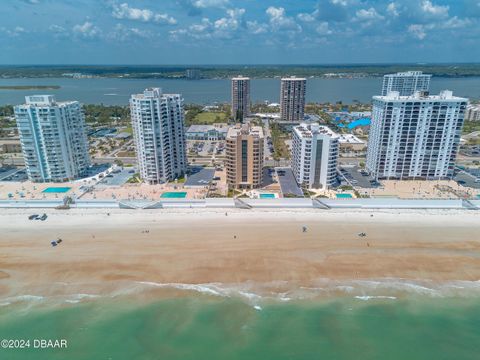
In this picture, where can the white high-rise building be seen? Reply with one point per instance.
(473, 113)
(406, 83)
(314, 155)
(159, 135)
(240, 98)
(53, 138)
(415, 137)
(292, 99)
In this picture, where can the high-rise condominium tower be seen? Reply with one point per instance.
(244, 156)
(240, 98)
(292, 99)
(53, 138)
(415, 137)
(314, 155)
(158, 128)
(406, 83)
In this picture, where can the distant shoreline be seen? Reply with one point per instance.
(30, 87)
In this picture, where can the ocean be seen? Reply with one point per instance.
(117, 91)
(205, 322)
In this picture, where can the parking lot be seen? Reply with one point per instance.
(356, 177)
(468, 178)
(13, 174)
(205, 148)
(288, 183)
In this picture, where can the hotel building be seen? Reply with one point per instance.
(53, 139)
(415, 137)
(314, 155)
(240, 98)
(158, 132)
(292, 99)
(244, 161)
(406, 83)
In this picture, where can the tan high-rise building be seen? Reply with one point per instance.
(240, 98)
(244, 156)
(292, 99)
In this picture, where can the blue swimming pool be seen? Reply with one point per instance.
(56, 190)
(359, 122)
(267, 196)
(174, 195)
(344, 196)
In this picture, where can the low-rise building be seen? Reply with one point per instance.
(213, 132)
(10, 146)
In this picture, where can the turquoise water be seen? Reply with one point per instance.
(344, 196)
(204, 327)
(267, 196)
(174, 195)
(56, 190)
(359, 122)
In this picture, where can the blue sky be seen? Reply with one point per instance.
(238, 31)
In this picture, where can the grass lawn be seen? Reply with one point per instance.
(208, 118)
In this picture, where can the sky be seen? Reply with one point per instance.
(238, 31)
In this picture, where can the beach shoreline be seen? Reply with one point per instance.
(232, 252)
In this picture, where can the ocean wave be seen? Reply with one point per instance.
(366, 297)
(257, 294)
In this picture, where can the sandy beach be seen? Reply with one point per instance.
(101, 251)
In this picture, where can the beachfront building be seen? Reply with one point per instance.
(292, 99)
(240, 98)
(473, 113)
(158, 132)
(53, 139)
(314, 155)
(244, 150)
(406, 83)
(415, 137)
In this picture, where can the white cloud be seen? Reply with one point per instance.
(434, 10)
(224, 28)
(16, 31)
(393, 10)
(455, 23)
(323, 29)
(86, 30)
(123, 11)
(368, 14)
(306, 17)
(256, 28)
(56, 28)
(279, 20)
(417, 31)
(123, 33)
(203, 4)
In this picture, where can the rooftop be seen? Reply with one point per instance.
(245, 129)
(408, 73)
(445, 95)
(308, 130)
(349, 139)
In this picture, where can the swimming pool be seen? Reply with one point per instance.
(344, 196)
(359, 122)
(56, 190)
(267, 196)
(174, 195)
